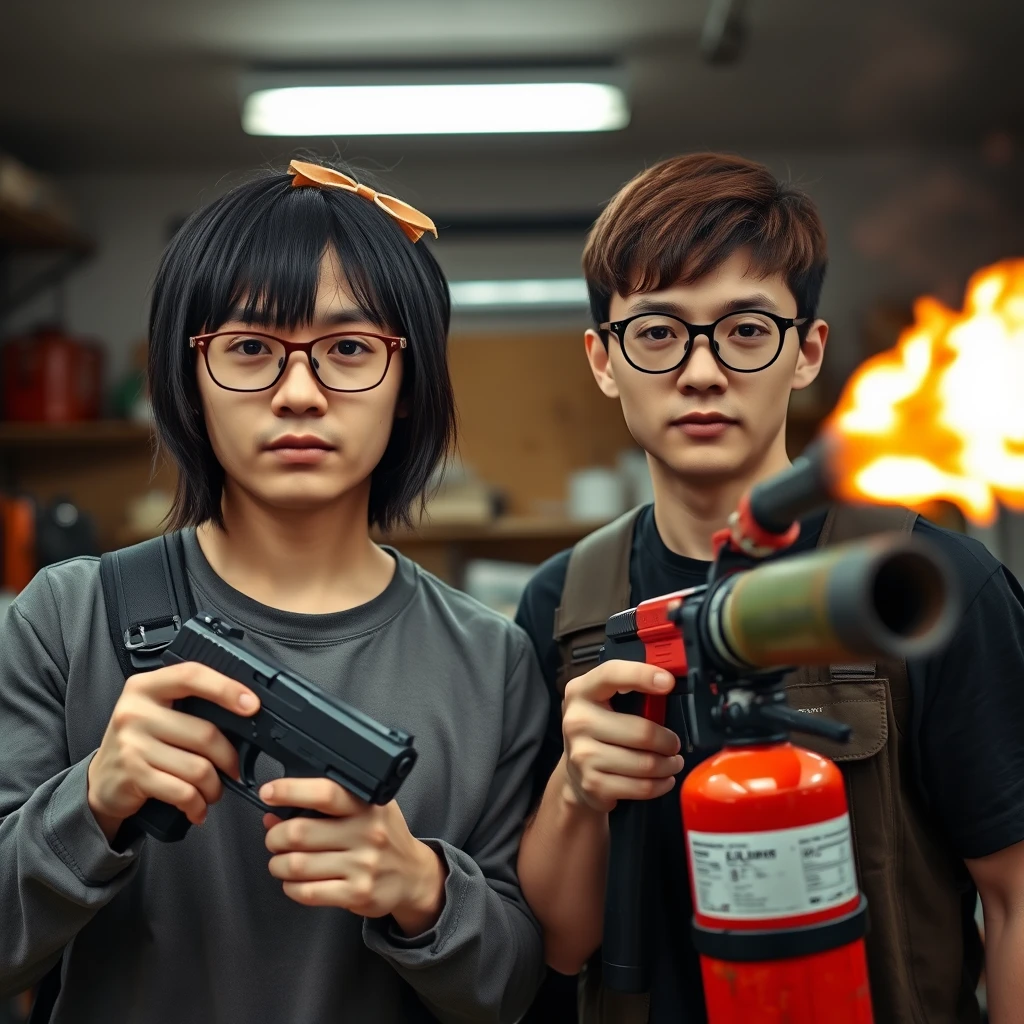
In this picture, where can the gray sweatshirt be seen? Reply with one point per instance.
(199, 931)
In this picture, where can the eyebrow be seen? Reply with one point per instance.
(755, 300)
(338, 318)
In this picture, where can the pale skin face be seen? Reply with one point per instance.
(354, 427)
(752, 441)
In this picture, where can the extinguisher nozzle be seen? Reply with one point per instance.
(803, 488)
(798, 721)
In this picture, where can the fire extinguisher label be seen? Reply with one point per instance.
(791, 871)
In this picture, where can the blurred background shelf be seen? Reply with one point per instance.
(92, 434)
(26, 229)
(447, 549)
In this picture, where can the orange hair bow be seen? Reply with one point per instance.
(410, 220)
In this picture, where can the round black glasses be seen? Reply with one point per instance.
(745, 341)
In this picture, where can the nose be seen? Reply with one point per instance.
(298, 391)
(702, 371)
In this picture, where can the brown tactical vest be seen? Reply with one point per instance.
(917, 948)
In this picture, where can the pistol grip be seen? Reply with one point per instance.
(162, 821)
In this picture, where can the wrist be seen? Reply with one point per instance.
(420, 912)
(568, 797)
(109, 823)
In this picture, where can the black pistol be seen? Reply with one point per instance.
(310, 732)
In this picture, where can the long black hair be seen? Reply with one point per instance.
(259, 248)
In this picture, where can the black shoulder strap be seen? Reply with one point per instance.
(146, 592)
(596, 586)
(147, 595)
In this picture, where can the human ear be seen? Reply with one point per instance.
(600, 364)
(811, 355)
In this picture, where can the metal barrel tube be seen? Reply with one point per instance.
(889, 596)
(778, 502)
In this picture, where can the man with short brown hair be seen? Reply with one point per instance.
(704, 275)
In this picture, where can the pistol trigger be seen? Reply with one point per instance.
(248, 754)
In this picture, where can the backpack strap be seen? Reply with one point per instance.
(596, 586)
(147, 596)
(146, 591)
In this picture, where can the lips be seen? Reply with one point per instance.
(303, 442)
(703, 417)
(704, 426)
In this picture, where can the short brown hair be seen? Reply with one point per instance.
(685, 216)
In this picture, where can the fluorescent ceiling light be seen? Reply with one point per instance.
(435, 109)
(555, 292)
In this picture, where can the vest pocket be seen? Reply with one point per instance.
(861, 705)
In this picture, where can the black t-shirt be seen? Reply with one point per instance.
(966, 737)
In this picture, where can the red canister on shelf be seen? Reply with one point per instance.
(51, 377)
(18, 531)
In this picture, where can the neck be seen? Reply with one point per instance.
(309, 561)
(688, 511)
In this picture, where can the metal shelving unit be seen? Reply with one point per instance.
(36, 252)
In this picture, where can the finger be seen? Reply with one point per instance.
(270, 820)
(636, 764)
(315, 794)
(334, 893)
(618, 729)
(173, 790)
(604, 682)
(311, 867)
(612, 788)
(197, 771)
(315, 834)
(188, 732)
(191, 679)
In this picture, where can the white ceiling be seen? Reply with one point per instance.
(128, 85)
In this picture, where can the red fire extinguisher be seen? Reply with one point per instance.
(778, 915)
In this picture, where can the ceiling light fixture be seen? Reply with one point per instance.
(572, 100)
(477, 296)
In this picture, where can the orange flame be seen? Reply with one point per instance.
(940, 417)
